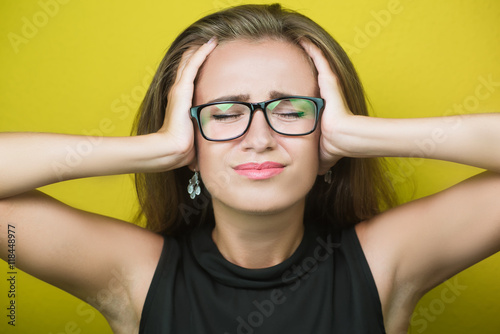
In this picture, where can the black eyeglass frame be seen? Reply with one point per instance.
(318, 102)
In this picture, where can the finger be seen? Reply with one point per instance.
(188, 54)
(181, 93)
(192, 60)
(327, 80)
(185, 57)
(317, 56)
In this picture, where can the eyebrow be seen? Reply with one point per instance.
(240, 98)
(246, 97)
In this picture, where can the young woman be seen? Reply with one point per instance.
(268, 215)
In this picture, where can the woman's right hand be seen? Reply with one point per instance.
(177, 128)
(51, 157)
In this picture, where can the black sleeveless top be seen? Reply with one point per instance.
(326, 286)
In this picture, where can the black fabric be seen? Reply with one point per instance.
(325, 287)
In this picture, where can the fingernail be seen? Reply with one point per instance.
(211, 40)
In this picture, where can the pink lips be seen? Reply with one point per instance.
(261, 171)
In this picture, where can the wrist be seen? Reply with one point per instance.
(359, 136)
(348, 137)
(160, 152)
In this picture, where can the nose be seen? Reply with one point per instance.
(259, 136)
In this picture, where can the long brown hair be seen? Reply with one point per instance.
(358, 190)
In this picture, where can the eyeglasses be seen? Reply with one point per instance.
(227, 120)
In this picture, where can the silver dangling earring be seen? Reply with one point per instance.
(328, 177)
(194, 186)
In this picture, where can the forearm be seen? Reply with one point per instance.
(32, 160)
(467, 139)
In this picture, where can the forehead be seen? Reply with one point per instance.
(255, 69)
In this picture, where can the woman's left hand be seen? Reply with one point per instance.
(336, 113)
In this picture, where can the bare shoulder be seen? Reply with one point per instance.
(104, 261)
(418, 245)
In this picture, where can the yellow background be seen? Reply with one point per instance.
(84, 68)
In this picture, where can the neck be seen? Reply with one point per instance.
(257, 240)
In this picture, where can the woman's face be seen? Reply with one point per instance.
(248, 71)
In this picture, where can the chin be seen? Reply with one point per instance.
(262, 198)
(263, 205)
(262, 210)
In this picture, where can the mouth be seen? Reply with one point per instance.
(262, 171)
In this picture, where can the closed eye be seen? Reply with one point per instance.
(290, 115)
(226, 117)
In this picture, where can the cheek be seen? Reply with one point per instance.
(310, 161)
(313, 156)
(211, 161)
(203, 153)
(307, 152)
